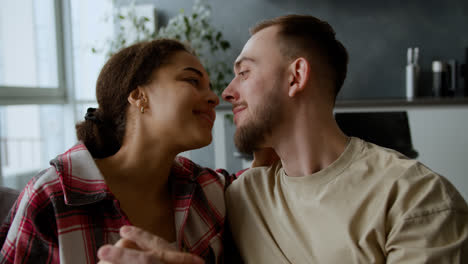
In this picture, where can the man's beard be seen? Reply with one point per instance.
(265, 117)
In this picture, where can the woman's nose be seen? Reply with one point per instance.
(213, 99)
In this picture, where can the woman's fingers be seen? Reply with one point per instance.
(125, 243)
(139, 246)
(144, 240)
(118, 255)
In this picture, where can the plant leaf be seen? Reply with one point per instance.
(225, 45)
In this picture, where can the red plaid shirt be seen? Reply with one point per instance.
(67, 212)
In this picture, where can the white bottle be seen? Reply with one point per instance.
(412, 73)
(437, 78)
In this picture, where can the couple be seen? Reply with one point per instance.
(330, 198)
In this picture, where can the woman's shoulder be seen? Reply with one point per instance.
(188, 169)
(46, 181)
(50, 183)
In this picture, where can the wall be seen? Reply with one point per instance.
(440, 137)
(376, 33)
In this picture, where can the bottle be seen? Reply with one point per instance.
(452, 79)
(438, 78)
(463, 89)
(412, 73)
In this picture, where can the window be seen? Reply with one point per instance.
(45, 54)
(91, 27)
(48, 74)
(30, 136)
(30, 52)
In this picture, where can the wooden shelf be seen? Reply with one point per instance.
(425, 102)
(390, 103)
(403, 102)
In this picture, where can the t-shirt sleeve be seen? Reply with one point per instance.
(429, 225)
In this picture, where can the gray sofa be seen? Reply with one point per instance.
(7, 199)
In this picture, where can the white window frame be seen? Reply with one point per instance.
(64, 94)
(14, 95)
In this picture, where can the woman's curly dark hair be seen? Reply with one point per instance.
(125, 71)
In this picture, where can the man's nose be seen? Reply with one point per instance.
(230, 94)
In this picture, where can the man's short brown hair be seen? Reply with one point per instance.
(312, 38)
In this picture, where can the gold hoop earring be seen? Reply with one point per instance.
(142, 109)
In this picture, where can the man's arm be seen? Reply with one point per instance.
(438, 237)
(428, 223)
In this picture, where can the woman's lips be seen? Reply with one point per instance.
(209, 116)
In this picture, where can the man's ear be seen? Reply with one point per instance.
(137, 98)
(298, 76)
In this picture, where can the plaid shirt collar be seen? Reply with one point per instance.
(81, 180)
(83, 183)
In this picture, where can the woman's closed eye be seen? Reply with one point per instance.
(192, 81)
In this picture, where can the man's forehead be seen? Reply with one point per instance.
(261, 40)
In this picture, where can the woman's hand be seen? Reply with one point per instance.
(122, 243)
(138, 246)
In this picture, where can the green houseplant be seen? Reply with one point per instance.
(194, 28)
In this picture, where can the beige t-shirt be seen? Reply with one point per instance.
(372, 205)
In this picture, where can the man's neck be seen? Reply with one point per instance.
(309, 144)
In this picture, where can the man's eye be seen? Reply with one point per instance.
(243, 73)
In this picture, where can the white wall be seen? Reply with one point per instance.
(441, 138)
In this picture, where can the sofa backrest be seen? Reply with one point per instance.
(8, 197)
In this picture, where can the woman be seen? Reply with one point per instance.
(154, 103)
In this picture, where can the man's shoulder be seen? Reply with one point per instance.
(254, 180)
(413, 190)
(420, 191)
(387, 164)
(257, 173)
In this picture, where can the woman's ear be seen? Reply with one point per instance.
(137, 98)
(298, 76)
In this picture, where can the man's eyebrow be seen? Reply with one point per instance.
(241, 60)
(194, 70)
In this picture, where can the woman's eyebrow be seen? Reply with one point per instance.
(194, 70)
(199, 73)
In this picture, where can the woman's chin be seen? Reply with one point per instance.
(206, 141)
(200, 142)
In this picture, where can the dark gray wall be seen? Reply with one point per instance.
(376, 33)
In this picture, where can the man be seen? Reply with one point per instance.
(331, 198)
